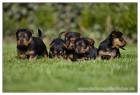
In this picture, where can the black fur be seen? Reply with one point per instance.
(34, 46)
(57, 48)
(107, 46)
(84, 49)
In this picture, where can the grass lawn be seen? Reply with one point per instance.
(58, 75)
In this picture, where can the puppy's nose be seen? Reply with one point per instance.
(72, 46)
(21, 41)
(55, 52)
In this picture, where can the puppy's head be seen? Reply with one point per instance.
(82, 45)
(57, 48)
(70, 38)
(117, 39)
(57, 52)
(70, 43)
(23, 37)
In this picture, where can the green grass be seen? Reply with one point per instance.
(58, 75)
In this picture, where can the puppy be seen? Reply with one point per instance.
(69, 38)
(109, 48)
(28, 46)
(57, 48)
(84, 49)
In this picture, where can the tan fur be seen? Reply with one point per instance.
(117, 43)
(102, 53)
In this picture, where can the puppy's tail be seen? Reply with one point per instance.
(39, 33)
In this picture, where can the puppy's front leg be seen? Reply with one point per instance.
(32, 55)
(98, 57)
(46, 55)
(21, 55)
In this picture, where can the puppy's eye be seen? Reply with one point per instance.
(19, 35)
(60, 51)
(25, 35)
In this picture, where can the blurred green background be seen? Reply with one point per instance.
(94, 20)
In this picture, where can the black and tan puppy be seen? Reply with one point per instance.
(84, 49)
(109, 48)
(69, 38)
(57, 48)
(28, 46)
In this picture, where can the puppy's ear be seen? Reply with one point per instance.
(90, 41)
(18, 30)
(116, 34)
(62, 34)
(113, 33)
(30, 32)
(79, 34)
